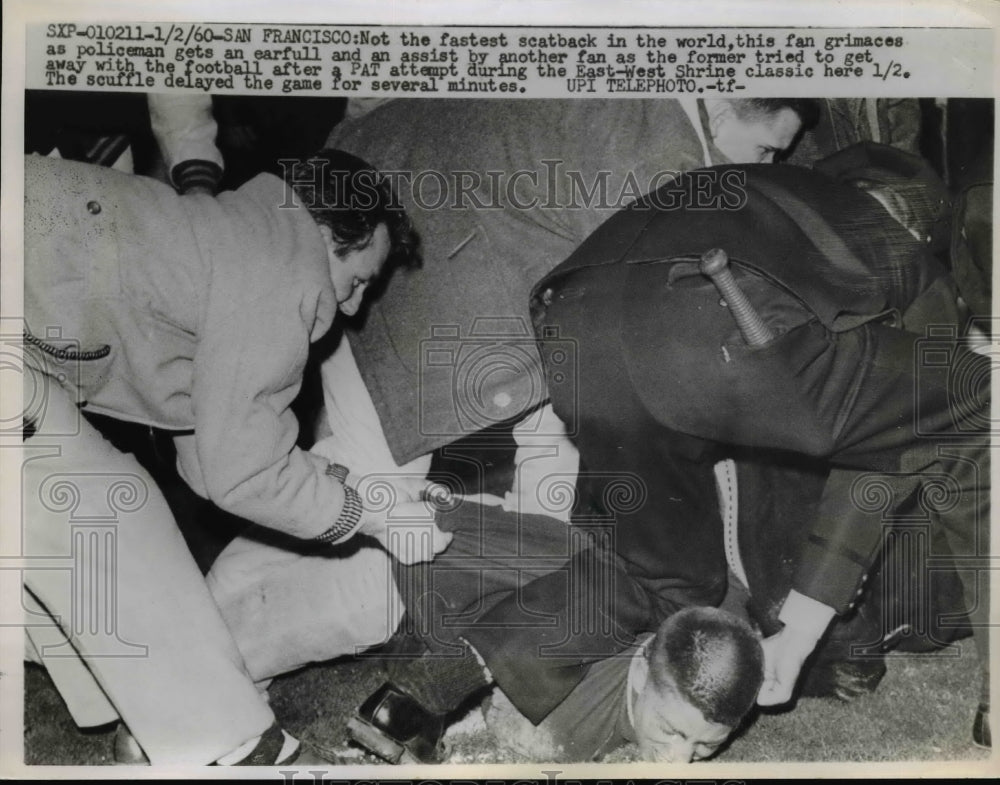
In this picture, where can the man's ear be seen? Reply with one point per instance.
(331, 244)
(718, 111)
(326, 232)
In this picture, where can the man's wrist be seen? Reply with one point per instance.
(805, 616)
(348, 522)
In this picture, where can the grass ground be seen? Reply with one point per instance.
(922, 711)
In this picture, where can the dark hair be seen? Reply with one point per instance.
(352, 198)
(806, 108)
(712, 658)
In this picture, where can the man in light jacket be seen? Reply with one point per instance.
(195, 315)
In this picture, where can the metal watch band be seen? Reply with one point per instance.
(339, 471)
(347, 521)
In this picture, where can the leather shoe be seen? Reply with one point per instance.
(981, 727)
(396, 728)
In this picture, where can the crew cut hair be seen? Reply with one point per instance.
(712, 658)
(807, 109)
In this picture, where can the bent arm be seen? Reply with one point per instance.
(248, 370)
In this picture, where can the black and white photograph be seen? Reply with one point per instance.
(401, 394)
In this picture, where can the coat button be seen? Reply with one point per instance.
(93, 207)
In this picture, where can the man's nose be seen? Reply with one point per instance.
(350, 307)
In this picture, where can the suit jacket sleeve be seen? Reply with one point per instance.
(844, 539)
(857, 507)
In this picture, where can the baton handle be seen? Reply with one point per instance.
(715, 264)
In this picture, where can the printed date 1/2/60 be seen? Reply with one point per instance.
(167, 34)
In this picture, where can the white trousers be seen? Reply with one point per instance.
(116, 608)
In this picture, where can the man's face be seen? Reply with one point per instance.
(755, 139)
(671, 730)
(354, 270)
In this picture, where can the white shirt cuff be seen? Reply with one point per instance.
(805, 615)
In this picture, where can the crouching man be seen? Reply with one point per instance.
(194, 315)
(806, 342)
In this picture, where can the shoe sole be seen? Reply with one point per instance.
(374, 740)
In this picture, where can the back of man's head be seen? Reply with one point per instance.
(808, 109)
(712, 658)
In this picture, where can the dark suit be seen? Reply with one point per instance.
(665, 385)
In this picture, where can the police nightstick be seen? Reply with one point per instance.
(715, 264)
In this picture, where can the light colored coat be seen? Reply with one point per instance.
(208, 307)
(500, 191)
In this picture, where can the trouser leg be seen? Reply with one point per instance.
(88, 705)
(286, 609)
(493, 556)
(113, 568)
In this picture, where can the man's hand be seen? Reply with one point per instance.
(379, 490)
(407, 530)
(805, 621)
(784, 654)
